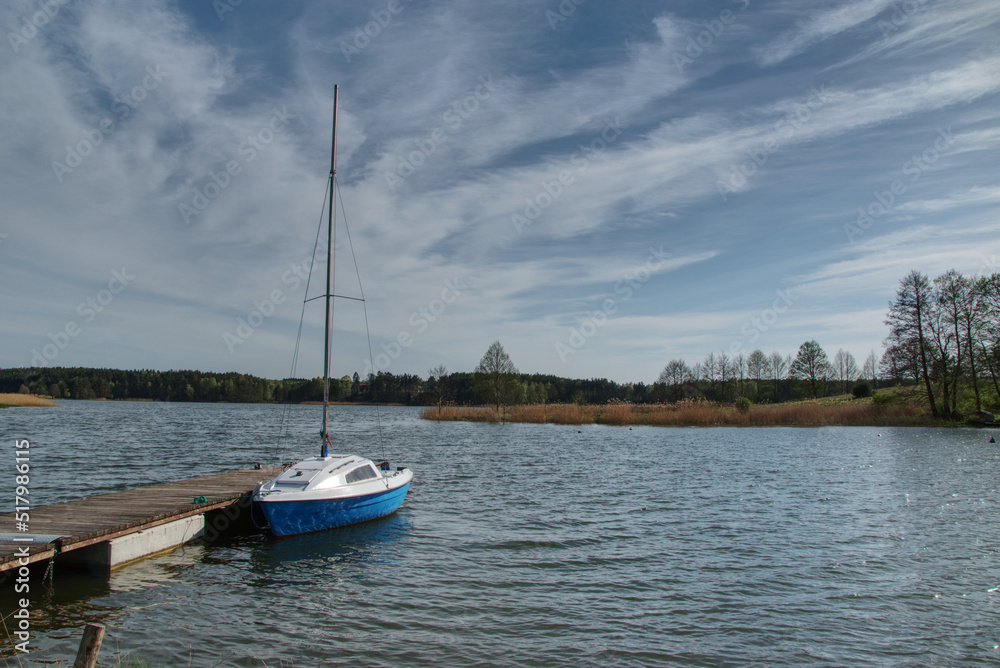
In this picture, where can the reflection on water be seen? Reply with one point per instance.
(372, 543)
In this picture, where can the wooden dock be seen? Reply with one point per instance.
(134, 523)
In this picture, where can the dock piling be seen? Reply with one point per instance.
(90, 646)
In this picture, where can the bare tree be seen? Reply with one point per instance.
(845, 369)
(853, 372)
(988, 334)
(697, 375)
(779, 368)
(724, 371)
(757, 365)
(673, 376)
(740, 372)
(907, 320)
(901, 362)
(675, 373)
(870, 368)
(970, 322)
(709, 368)
(437, 384)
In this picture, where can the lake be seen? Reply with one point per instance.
(543, 545)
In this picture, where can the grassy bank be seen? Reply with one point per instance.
(700, 414)
(7, 400)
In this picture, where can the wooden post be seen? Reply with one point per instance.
(90, 646)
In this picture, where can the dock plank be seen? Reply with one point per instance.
(86, 520)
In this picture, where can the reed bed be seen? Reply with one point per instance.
(25, 400)
(695, 414)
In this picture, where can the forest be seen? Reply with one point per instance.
(383, 387)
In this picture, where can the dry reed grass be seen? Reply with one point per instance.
(460, 413)
(25, 400)
(697, 414)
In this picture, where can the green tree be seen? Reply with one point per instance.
(495, 377)
(812, 365)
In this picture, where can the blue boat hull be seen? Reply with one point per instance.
(287, 518)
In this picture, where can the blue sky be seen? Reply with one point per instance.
(601, 186)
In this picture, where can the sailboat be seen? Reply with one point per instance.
(331, 490)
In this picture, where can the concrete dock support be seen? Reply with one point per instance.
(100, 558)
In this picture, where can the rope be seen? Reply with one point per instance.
(254, 519)
(49, 570)
(282, 434)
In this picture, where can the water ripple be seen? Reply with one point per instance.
(539, 545)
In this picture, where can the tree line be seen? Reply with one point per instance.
(944, 337)
(148, 384)
(383, 387)
(764, 378)
(944, 334)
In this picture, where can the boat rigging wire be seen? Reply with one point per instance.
(298, 338)
(282, 433)
(371, 359)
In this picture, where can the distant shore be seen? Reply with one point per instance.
(859, 413)
(11, 400)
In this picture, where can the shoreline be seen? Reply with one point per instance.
(699, 414)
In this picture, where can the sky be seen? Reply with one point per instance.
(602, 187)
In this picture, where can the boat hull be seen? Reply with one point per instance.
(290, 517)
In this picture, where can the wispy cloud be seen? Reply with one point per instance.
(818, 26)
(973, 196)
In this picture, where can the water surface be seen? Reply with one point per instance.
(545, 545)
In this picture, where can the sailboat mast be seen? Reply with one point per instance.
(329, 296)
